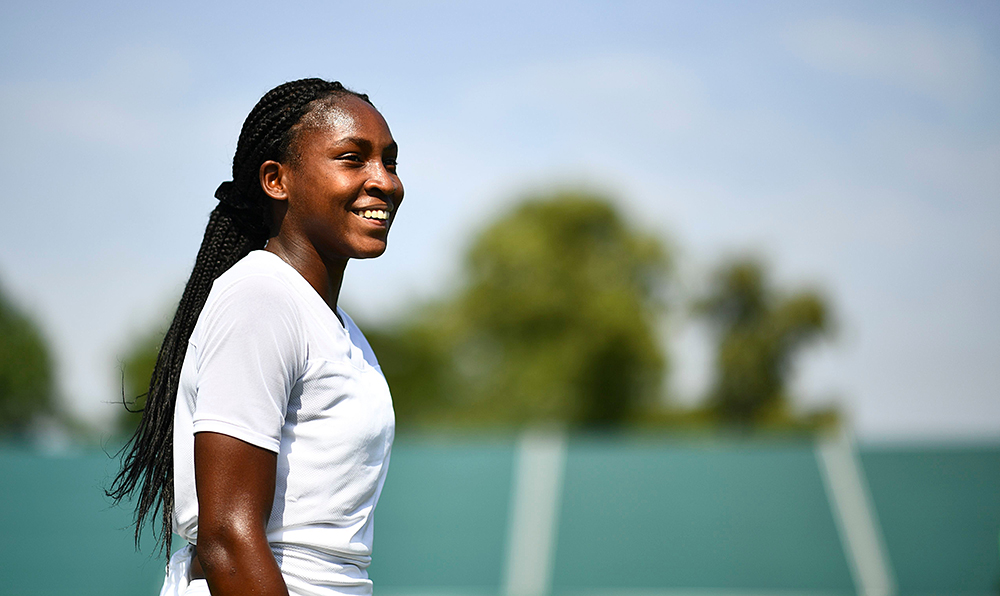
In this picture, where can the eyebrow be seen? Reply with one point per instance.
(366, 144)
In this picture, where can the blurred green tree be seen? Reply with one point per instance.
(760, 332)
(27, 387)
(556, 322)
(415, 357)
(556, 319)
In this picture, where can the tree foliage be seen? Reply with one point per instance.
(555, 322)
(556, 319)
(26, 373)
(759, 332)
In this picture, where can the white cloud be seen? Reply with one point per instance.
(596, 94)
(121, 105)
(953, 163)
(933, 61)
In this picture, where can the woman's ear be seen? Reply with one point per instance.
(273, 179)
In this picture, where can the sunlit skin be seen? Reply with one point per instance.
(346, 164)
(343, 163)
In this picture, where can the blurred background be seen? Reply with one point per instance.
(682, 297)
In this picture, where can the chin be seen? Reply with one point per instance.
(370, 252)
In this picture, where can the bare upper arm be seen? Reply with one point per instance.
(235, 483)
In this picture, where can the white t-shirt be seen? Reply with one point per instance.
(269, 363)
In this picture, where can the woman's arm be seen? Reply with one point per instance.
(235, 485)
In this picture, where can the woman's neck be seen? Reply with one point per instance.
(325, 275)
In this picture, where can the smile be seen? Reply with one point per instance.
(379, 214)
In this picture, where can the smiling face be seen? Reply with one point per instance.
(340, 184)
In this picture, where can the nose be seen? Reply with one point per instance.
(384, 183)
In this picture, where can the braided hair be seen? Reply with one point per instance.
(239, 224)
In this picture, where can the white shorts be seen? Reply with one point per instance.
(178, 571)
(197, 587)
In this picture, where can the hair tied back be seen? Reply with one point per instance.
(248, 216)
(226, 194)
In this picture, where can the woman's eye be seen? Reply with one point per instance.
(350, 157)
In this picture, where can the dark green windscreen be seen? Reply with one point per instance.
(939, 509)
(637, 516)
(733, 515)
(60, 535)
(441, 522)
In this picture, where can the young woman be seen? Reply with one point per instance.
(266, 433)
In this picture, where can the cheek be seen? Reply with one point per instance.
(398, 195)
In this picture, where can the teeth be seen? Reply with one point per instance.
(375, 214)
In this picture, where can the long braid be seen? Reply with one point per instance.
(241, 223)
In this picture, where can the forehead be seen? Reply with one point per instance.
(345, 117)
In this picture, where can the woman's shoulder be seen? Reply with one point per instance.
(257, 284)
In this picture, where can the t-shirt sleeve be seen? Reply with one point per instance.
(251, 352)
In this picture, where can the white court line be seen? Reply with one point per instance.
(537, 491)
(855, 517)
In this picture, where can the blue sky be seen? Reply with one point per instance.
(856, 147)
